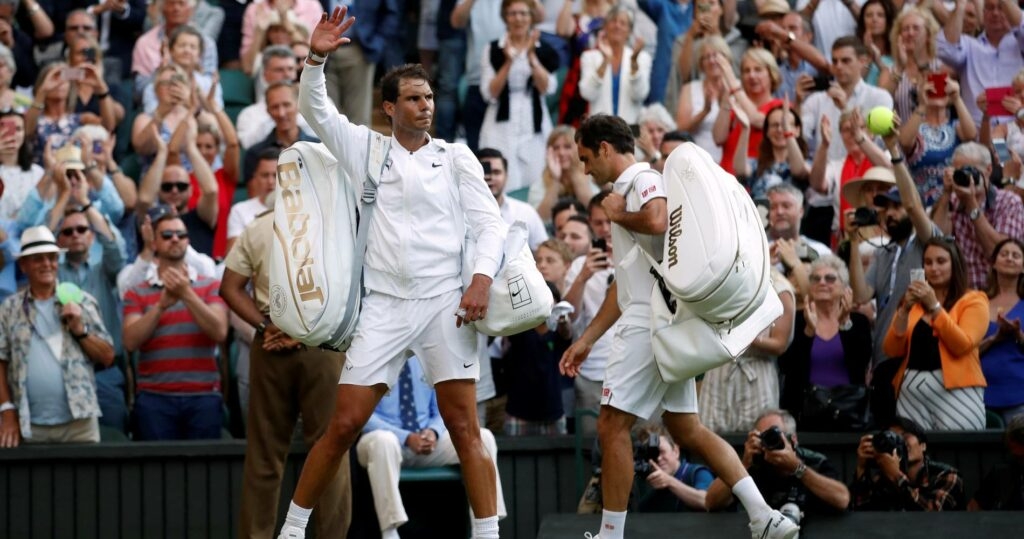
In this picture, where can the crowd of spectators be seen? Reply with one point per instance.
(131, 168)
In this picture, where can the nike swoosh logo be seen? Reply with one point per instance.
(435, 165)
(348, 366)
(516, 293)
(467, 365)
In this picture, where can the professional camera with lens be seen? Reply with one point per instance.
(966, 176)
(644, 451)
(887, 441)
(771, 439)
(865, 216)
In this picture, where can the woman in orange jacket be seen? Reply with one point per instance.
(937, 331)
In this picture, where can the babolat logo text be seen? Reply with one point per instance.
(675, 229)
(300, 258)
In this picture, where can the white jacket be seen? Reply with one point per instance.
(414, 242)
(633, 89)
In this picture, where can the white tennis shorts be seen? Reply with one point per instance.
(391, 329)
(633, 383)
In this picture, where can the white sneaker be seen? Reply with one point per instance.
(776, 526)
(292, 532)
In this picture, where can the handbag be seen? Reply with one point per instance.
(836, 409)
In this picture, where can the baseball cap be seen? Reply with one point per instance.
(892, 195)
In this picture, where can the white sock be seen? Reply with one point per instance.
(613, 524)
(297, 516)
(390, 533)
(485, 528)
(751, 498)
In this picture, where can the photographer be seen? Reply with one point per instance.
(894, 473)
(976, 213)
(784, 472)
(674, 484)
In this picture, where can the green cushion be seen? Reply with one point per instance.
(440, 473)
(237, 87)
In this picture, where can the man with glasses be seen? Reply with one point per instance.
(171, 184)
(82, 225)
(114, 25)
(47, 393)
(975, 212)
(175, 319)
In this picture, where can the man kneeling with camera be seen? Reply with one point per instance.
(791, 478)
(894, 473)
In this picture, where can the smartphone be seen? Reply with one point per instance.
(938, 81)
(90, 55)
(7, 128)
(994, 97)
(71, 74)
(487, 167)
(1002, 151)
(916, 274)
(599, 243)
(822, 83)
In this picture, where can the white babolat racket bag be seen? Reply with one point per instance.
(715, 293)
(316, 258)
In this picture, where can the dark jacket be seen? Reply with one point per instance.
(795, 363)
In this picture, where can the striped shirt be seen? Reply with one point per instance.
(178, 357)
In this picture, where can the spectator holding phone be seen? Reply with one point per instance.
(91, 92)
(929, 136)
(49, 117)
(185, 50)
(913, 39)
(1011, 132)
(937, 331)
(989, 60)
(174, 107)
(1002, 350)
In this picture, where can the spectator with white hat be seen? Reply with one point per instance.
(48, 341)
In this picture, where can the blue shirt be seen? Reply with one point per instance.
(387, 416)
(673, 19)
(47, 397)
(100, 280)
(1003, 366)
(35, 210)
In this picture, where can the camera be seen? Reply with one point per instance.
(771, 439)
(645, 451)
(966, 176)
(865, 216)
(887, 441)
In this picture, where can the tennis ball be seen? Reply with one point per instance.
(880, 121)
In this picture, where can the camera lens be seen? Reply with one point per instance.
(965, 176)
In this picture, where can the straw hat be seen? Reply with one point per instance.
(853, 190)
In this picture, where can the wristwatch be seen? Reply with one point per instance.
(7, 406)
(790, 37)
(83, 334)
(800, 471)
(975, 214)
(260, 329)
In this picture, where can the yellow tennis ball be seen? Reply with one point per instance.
(880, 121)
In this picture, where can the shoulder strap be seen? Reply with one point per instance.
(378, 147)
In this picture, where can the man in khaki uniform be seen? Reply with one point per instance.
(286, 379)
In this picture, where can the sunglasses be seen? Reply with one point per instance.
(171, 186)
(81, 28)
(72, 230)
(831, 278)
(168, 234)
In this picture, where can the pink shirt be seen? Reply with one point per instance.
(307, 11)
